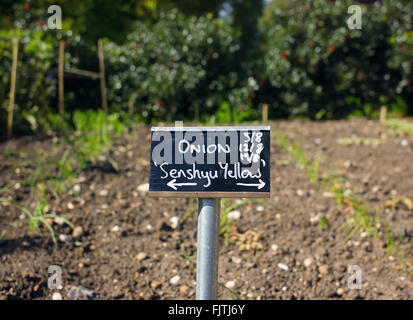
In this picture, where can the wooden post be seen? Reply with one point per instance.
(102, 76)
(61, 81)
(383, 114)
(12, 87)
(130, 106)
(265, 113)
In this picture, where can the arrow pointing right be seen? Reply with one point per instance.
(259, 185)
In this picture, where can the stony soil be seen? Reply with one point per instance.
(128, 247)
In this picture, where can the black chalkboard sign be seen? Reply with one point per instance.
(210, 162)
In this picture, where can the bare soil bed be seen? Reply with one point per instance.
(128, 248)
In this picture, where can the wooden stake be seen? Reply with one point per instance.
(61, 82)
(265, 113)
(12, 87)
(130, 106)
(102, 76)
(383, 114)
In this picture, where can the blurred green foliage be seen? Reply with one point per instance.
(315, 66)
(179, 68)
(91, 19)
(164, 64)
(34, 86)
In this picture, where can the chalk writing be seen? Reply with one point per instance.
(213, 160)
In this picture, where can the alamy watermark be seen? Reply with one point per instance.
(355, 21)
(54, 282)
(55, 20)
(354, 281)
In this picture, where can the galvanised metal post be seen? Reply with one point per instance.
(207, 256)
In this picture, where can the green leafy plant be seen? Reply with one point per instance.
(359, 141)
(37, 217)
(225, 223)
(311, 166)
(315, 66)
(323, 222)
(235, 114)
(93, 138)
(400, 126)
(360, 220)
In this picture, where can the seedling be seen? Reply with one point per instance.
(359, 141)
(54, 172)
(400, 126)
(323, 223)
(37, 217)
(232, 292)
(360, 220)
(226, 225)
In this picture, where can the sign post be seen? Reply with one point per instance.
(209, 163)
(207, 257)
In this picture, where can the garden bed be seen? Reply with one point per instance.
(291, 246)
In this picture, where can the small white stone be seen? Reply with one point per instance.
(300, 193)
(284, 288)
(70, 206)
(282, 266)
(149, 227)
(259, 208)
(63, 237)
(76, 188)
(175, 279)
(80, 179)
(308, 262)
(236, 260)
(141, 256)
(404, 143)
(174, 222)
(274, 247)
(143, 187)
(57, 296)
(316, 218)
(327, 194)
(234, 215)
(317, 141)
(103, 193)
(230, 284)
(77, 232)
(59, 220)
(115, 228)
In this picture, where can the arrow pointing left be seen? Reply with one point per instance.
(174, 185)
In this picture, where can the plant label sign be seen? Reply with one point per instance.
(210, 162)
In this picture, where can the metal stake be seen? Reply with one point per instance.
(207, 257)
